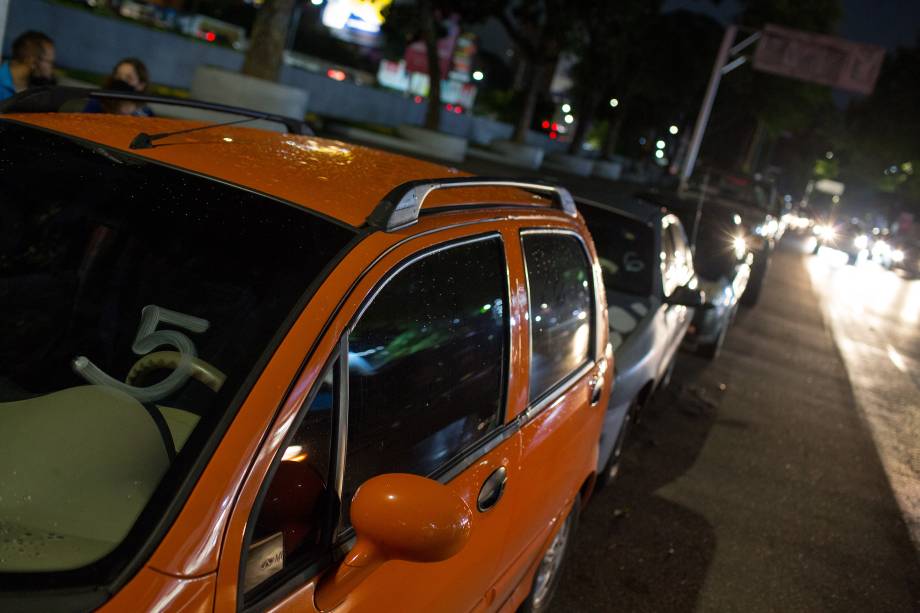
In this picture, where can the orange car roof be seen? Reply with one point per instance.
(336, 179)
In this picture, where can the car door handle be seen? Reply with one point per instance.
(492, 489)
(596, 383)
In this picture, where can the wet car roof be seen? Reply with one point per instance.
(340, 180)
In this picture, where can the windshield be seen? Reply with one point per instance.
(625, 248)
(135, 301)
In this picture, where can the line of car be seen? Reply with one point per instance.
(245, 370)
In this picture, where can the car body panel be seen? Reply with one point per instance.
(645, 331)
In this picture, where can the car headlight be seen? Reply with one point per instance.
(897, 255)
(861, 241)
(740, 246)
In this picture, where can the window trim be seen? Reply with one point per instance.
(558, 389)
(467, 456)
(270, 592)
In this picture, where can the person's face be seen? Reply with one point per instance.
(43, 66)
(127, 74)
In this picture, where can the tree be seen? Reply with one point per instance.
(269, 35)
(540, 30)
(605, 39)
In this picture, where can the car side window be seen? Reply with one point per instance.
(289, 530)
(560, 285)
(669, 275)
(426, 364)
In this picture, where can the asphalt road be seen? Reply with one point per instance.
(753, 482)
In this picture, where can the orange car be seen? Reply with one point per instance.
(244, 370)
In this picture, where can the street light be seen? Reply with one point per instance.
(478, 76)
(569, 118)
(659, 153)
(614, 103)
(829, 155)
(674, 129)
(566, 108)
(316, 2)
(660, 145)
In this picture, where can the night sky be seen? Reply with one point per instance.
(890, 23)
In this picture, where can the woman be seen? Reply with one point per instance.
(129, 75)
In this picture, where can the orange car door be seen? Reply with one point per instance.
(566, 386)
(417, 383)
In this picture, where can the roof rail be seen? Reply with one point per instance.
(400, 207)
(50, 99)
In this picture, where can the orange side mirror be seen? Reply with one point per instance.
(397, 517)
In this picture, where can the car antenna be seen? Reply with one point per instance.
(145, 141)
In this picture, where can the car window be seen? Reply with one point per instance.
(137, 305)
(625, 249)
(667, 257)
(288, 530)
(426, 364)
(560, 283)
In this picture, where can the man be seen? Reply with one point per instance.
(31, 64)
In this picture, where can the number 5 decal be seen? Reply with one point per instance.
(149, 338)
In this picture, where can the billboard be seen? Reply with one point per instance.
(818, 58)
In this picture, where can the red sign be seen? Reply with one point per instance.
(819, 59)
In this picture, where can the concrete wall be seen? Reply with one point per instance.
(90, 42)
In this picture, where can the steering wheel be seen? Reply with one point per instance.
(201, 371)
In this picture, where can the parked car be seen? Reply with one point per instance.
(651, 294)
(249, 370)
(723, 260)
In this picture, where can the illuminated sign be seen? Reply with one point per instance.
(361, 15)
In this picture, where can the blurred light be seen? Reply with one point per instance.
(614, 103)
(418, 99)
(673, 129)
(835, 199)
(478, 76)
(290, 452)
(659, 154)
(861, 241)
(227, 139)
(335, 74)
(458, 109)
(908, 167)
(545, 124)
(660, 144)
(892, 169)
(554, 127)
(316, 2)
(210, 36)
(449, 106)
(642, 140)
(740, 246)
(897, 256)
(553, 135)
(829, 155)
(569, 119)
(737, 219)
(566, 108)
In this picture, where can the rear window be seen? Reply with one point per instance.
(625, 249)
(135, 302)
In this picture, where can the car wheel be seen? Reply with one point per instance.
(711, 351)
(612, 468)
(546, 579)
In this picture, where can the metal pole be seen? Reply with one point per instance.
(703, 118)
(4, 10)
